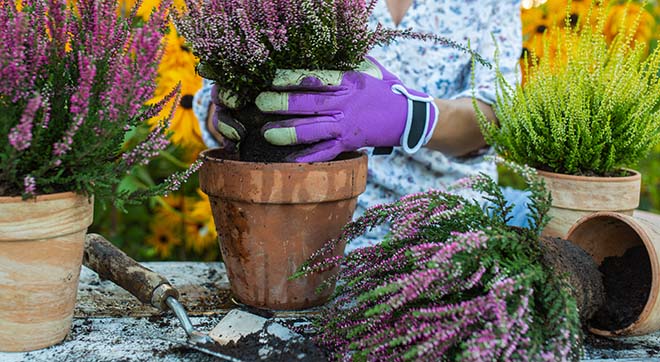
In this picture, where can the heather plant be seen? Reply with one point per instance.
(592, 111)
(451, 282)
(74, 78)
(241, 43)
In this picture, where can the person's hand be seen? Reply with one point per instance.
(231, 130)
(345, 111)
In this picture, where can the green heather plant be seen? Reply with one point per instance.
(589, 108)
(74, 78)
(451, 282)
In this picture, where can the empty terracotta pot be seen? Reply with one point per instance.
(574, 197)
(41, 248)
(271, 217)
(605, 234)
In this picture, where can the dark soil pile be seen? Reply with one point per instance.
(627, 282)
(581, 272)
(252, 348)
(606, 346)
(253, 147)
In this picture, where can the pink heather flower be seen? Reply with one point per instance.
(79, 103)
(30, 185)
(435, 290)
(23, 50)
(20, 136)
(175, 181)
(80, 74)
(149, 148)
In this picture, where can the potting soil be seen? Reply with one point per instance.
(627, 281)
(262, 346)
(581, 272)
(253, 147)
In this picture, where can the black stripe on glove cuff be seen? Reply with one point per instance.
(418, 124)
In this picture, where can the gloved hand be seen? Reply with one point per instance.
(342, 111)
(231, 130)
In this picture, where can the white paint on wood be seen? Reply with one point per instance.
(101, 334)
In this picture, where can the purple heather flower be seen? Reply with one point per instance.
(79, 104)
(429, 293)
(30, 185)
(80, 74)
(175, 181)
(21, 135)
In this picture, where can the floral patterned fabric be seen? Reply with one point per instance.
(442, 72)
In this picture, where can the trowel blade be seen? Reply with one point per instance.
(202, 348)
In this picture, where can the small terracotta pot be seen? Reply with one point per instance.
(605, 234)
(41, 248)
(574, 197)
(271, 217)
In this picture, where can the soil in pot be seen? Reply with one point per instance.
(254, 147)
(627, 281)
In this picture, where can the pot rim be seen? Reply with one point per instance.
(354, 155)
(632, 178)
(44, 197)
(653, 258)
(283, 183)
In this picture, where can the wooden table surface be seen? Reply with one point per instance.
(111, 325)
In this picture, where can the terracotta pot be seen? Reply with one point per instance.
(41, 248)
(271, 217)
(606, 234)
(574, 197)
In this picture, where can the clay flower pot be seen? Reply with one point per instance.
(574, 197)
(41, 248)
(607, 234)
(271, 217)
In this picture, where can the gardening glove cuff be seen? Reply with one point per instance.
(421, 118)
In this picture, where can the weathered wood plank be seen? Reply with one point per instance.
(204, 290)
(111, 325)
(121, 339)
(653, 218)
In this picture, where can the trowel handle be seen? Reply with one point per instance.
(113, 264)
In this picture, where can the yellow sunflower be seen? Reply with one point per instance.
(557, 10)
(164, 236)
(145, 10)
(178, 65)
(177, 53)
(201, 232)
(534, 21)
(623, 17)
(184, 125)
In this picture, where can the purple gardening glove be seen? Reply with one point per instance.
(231, 131)
(345, 111)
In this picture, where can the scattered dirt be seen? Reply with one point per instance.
(253, 348)
(614, 344)
(581, 272)
(607, 343)
(253, 147)
(211, 274)
(627, 282)
(161, 320)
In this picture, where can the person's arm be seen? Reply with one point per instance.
(457, 132)
(204, 111)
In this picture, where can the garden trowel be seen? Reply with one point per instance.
(153, 289)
